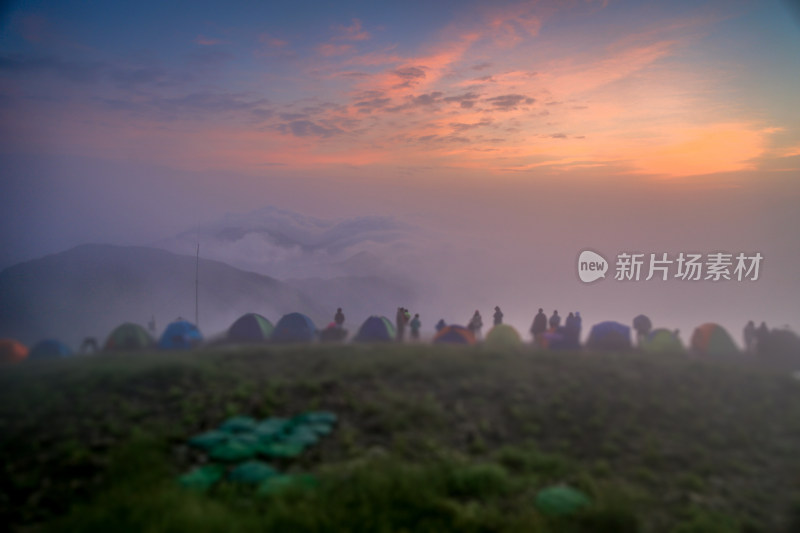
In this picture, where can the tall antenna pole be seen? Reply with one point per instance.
(196, 285)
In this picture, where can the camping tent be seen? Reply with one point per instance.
(250, 327)
(49, 349)
(12, 351)
(503, 335)
(454, 335)
(558, 339)
(376, 329)
(782, 346)
(712, 339)
(662, 341)
(128, 336)
(294, 327)
(609, 335)
(180, 335)
(552, 339)
(333, 333)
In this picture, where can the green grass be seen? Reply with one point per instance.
(429, 439)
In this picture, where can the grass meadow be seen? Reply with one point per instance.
(429, 438)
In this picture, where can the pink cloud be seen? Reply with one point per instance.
(271, 41)
(332, 50)
(354, 32)
(205, 41)
(511, 25)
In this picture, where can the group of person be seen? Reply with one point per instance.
(541, 324)
(404, 319)
(571, 329)
(755, 338)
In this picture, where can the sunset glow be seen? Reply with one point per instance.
(539, 86)
(509, 134)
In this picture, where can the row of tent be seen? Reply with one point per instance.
(253, 328)
(179, 335)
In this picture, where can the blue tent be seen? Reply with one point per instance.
(609, 336)
(376, 329)
(49, 349)
(558, 339)
(294, 327)
(180, 335)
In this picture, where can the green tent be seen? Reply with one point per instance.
(662, 341)
(503, 336)
(561, 500)
(129, 336)
(249, 328)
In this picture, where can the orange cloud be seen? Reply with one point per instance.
(706, 149)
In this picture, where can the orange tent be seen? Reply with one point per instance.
(12, 351)
(454, 335)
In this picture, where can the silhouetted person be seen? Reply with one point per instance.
(415, 325)
(538, 327)
(339, 317)
(498, 316)
(571, 331)
(89, 345)
(441, 324)
(555, 321)
(762, 338)
(475, 325)
(400, 321)
(750, 337)
(578, 324)
(642, 325)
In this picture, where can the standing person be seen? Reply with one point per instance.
(555, 320)
(750, 337)
(415, 325)
(441, 324)
(643, 326)
(339, 318)
(762, 337)
(538, 327)
(578, 323)
(570, 331)
(498, 316)
(475, 325)
(400, 322)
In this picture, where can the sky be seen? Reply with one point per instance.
(514, 134)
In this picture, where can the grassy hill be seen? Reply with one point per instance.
(429, 438)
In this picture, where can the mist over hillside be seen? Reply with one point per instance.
(90, 289)
(359, 263)
(285, 244)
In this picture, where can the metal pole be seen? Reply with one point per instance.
(196, 285)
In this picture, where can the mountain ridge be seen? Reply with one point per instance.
(89, 289)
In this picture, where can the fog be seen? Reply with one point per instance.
(444, 248)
